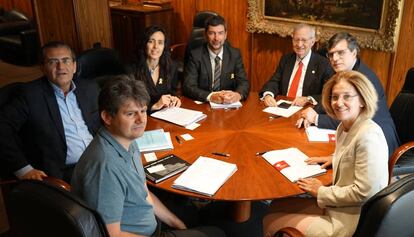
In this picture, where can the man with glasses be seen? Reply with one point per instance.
(50, 121)
(343, 54)
(301, 74)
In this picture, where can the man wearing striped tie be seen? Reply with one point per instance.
(215, 70)
(301, 74)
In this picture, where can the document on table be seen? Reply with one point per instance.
(234, 105)
(291, 163)
(179, 116)
(282, 111)
(154, 140)
(316, 134)
(205, 176)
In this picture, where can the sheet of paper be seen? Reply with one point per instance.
(283, 112)
(192, 126)
(187, 137)
(150, 156)
(226, 106)
(156, 168)
(154, 140)
(179, 116)
(316, 134)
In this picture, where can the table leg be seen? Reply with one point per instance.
(241, 211)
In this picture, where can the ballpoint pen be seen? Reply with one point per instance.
(178, 139)
(260, 153)
(220, 154)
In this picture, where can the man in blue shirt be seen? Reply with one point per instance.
(50, 121)
(109, 175)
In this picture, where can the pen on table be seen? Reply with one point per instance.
(260, 153)
(178, 139)
(220, 154)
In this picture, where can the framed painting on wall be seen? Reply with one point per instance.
(372, 22)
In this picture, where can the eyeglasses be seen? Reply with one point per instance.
(340, 53)
(345, 97)
(53, 62)
(298, 40)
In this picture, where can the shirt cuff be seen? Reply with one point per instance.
(312, 100)
(21, 172)
(316, 120)
(267, 93)
(209, 96)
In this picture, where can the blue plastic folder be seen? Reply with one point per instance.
(154, 140)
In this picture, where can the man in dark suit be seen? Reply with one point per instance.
(215, 70)
(343, 53)
(51, 120)
(299, 75)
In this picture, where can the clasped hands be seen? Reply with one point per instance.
(167, 101)
(225, 97)
(298, 101)
(312, 185)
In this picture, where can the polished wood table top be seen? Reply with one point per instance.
(241, 133)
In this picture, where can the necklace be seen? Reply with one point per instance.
(152, 69)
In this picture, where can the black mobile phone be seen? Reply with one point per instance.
(284, 105)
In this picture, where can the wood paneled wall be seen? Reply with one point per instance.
(261, 52)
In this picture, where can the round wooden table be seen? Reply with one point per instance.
(242, 133)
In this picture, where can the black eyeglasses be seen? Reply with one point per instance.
(340, 53)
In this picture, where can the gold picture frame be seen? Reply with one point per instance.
(380, 35)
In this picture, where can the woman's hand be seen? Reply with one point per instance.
(310, 185)
(325, 160)
(175, 102)
(166, 101)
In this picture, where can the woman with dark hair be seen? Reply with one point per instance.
(156, 69)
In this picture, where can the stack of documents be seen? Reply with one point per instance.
(234, 105)
(205, 176)
(179, 116)
(291, 163)
(316, 134)
(282, 111)
(154, 140)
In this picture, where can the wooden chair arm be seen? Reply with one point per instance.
(290, 231)
(396, 156)
(178, 51)
(57, 182)
(175, 46)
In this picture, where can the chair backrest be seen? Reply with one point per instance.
(96, 63)
(197, 33)
(40, 209)
(402, 113)
(409, 81)
(8, 91)
(390, 212)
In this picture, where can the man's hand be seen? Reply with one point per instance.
(230, 97)
(269, 101)
(325, 160)
(310, 185)
(34, 174)
(307, 117)
(300, 101)
(216, 97)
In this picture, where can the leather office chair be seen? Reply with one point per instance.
(40, 209)
(18, 38)
(7, 92)
(180, 52)
(97, 63)
(402, 161)
(388, 213)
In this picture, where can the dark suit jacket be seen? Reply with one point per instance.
(198, 73)
(31, 127)
(382, 117)
(163, 86)
(318, 72)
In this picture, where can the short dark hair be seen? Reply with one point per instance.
(118, 90)
(215, 20)
(351, 40)
(55, 44)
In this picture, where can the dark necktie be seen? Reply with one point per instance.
(295, 83)
(217, 74)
